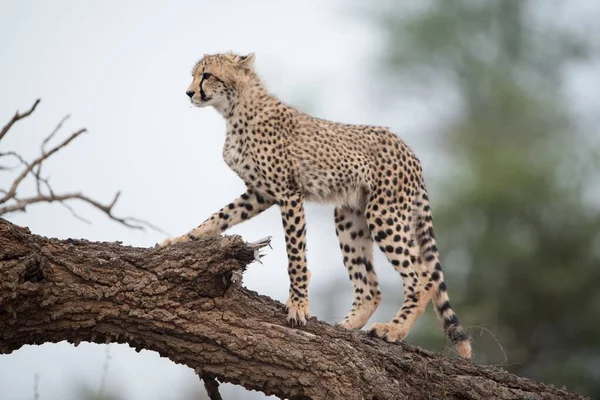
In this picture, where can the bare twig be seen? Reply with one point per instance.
(17, 117)
(18, 157)
(56, 129)
(13, 189)
(74, 213)
(145, 223)
(38, 171)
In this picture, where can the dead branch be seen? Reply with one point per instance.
(10, 201)
(180, 302)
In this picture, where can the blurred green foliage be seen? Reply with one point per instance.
(519, 236)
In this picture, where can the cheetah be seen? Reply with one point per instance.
(372, 177)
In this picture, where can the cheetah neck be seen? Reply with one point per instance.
(242, 122)
(247, 101)
(242, 115)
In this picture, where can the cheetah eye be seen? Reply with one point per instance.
(206, 75)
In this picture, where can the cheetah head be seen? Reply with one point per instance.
(217, 79)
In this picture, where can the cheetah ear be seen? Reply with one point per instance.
(247, 61)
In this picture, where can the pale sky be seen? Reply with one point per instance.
(121, 69)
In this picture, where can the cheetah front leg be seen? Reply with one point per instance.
(243, 208)
(292, 213)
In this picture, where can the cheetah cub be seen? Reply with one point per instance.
(286, 157)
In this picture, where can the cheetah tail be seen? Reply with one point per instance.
(452, 328)
(426, 239)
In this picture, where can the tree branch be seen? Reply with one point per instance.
(179, 301)
(11, 201)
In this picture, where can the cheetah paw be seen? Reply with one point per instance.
(389, 332)
(173, 240)
(351, 324)
(345, 324)
(298, 312)
(357, 318)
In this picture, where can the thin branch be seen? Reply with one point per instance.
(38, 171)
(56, 129)
(18, 157)
(147, 224)
(130, 222)
(74, 213)
(16, 118)
(13, 189)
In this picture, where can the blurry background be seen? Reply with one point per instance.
(499, 99)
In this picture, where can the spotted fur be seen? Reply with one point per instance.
(286, 157)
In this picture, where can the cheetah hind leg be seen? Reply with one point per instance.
(357, 249)
(392, 234)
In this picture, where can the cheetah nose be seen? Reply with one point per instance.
(190, 93)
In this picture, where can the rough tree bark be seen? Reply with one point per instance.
(179, 301)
